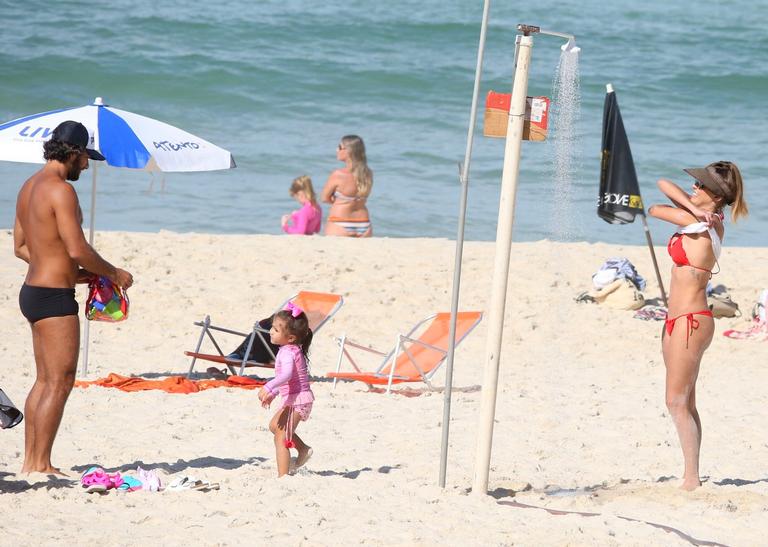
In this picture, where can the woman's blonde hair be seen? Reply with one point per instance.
(360, 171)
(303, 184)
(738, 204)
(728, 177)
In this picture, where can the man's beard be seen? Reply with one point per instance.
(74, 172)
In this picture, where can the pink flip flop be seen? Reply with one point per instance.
(97, 480)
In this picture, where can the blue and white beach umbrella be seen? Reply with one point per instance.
(123, 138)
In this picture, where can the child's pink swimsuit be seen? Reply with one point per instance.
(292, 380)
(305, 221)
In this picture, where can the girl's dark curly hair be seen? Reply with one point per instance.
(297, 326)
(59, 151)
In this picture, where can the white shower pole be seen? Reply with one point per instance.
(501, 264)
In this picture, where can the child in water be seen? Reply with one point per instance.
(290, 330)
(307, 220)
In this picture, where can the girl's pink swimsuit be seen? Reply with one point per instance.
(305, 221)
(292, 380)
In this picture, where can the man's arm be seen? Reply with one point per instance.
(65, 207)
(20, 248)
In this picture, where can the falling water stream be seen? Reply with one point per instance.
(564, 145)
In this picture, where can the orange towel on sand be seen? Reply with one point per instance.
(172, 384)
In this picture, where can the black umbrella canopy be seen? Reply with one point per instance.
(619, 199)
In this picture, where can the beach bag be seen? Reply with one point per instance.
(616, 268)
(721, 305)
(622, 294)
(106, 301)
(760, 309)
(10, 416)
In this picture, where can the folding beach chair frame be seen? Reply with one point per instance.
(256, 333)
(393, 355)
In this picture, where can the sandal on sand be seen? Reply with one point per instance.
(97, 480)
(205, 486)
(181, 483)
(130, 484)
(217, 373)
(190, 483)
(91, 483)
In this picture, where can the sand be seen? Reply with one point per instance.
(581, 424)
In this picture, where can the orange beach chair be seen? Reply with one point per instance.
(415, 357)
(319, 307)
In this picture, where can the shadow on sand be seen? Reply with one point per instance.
(180, 465)
(739, 482)
(18, 483)
(668, 529)
(355, 473)
(555, 491)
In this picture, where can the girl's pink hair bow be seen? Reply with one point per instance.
(294, 309)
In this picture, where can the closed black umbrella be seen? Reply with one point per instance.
(619, 201)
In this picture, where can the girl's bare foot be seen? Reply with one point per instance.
(303, 457)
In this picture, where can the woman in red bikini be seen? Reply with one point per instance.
(689, 327)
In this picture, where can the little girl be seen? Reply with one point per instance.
(290, 330)
(306, 220)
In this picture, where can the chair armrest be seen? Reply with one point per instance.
(221, 329)
(415, 341)
(348, 342)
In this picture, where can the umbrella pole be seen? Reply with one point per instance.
(86, 323)
(501, 263)
(653, 257)
(464, 180)
(93, 204)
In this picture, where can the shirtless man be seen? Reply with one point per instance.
(47, 234)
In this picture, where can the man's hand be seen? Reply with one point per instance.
(122, 278)
(83, 276)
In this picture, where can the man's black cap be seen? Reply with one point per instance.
(75, 133)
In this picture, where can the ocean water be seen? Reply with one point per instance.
(279, 82)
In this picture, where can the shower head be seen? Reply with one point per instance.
(570, 46)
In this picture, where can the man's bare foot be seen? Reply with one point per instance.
(47, 470)
(690, 484)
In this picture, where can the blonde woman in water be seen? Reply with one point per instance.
(347, 191)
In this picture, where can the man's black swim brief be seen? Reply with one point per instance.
(38, 303)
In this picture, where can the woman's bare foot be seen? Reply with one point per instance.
(303, 457)
(690, 484)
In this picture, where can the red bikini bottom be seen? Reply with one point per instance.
(692, 324)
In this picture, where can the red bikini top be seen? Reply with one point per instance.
(677, 252)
